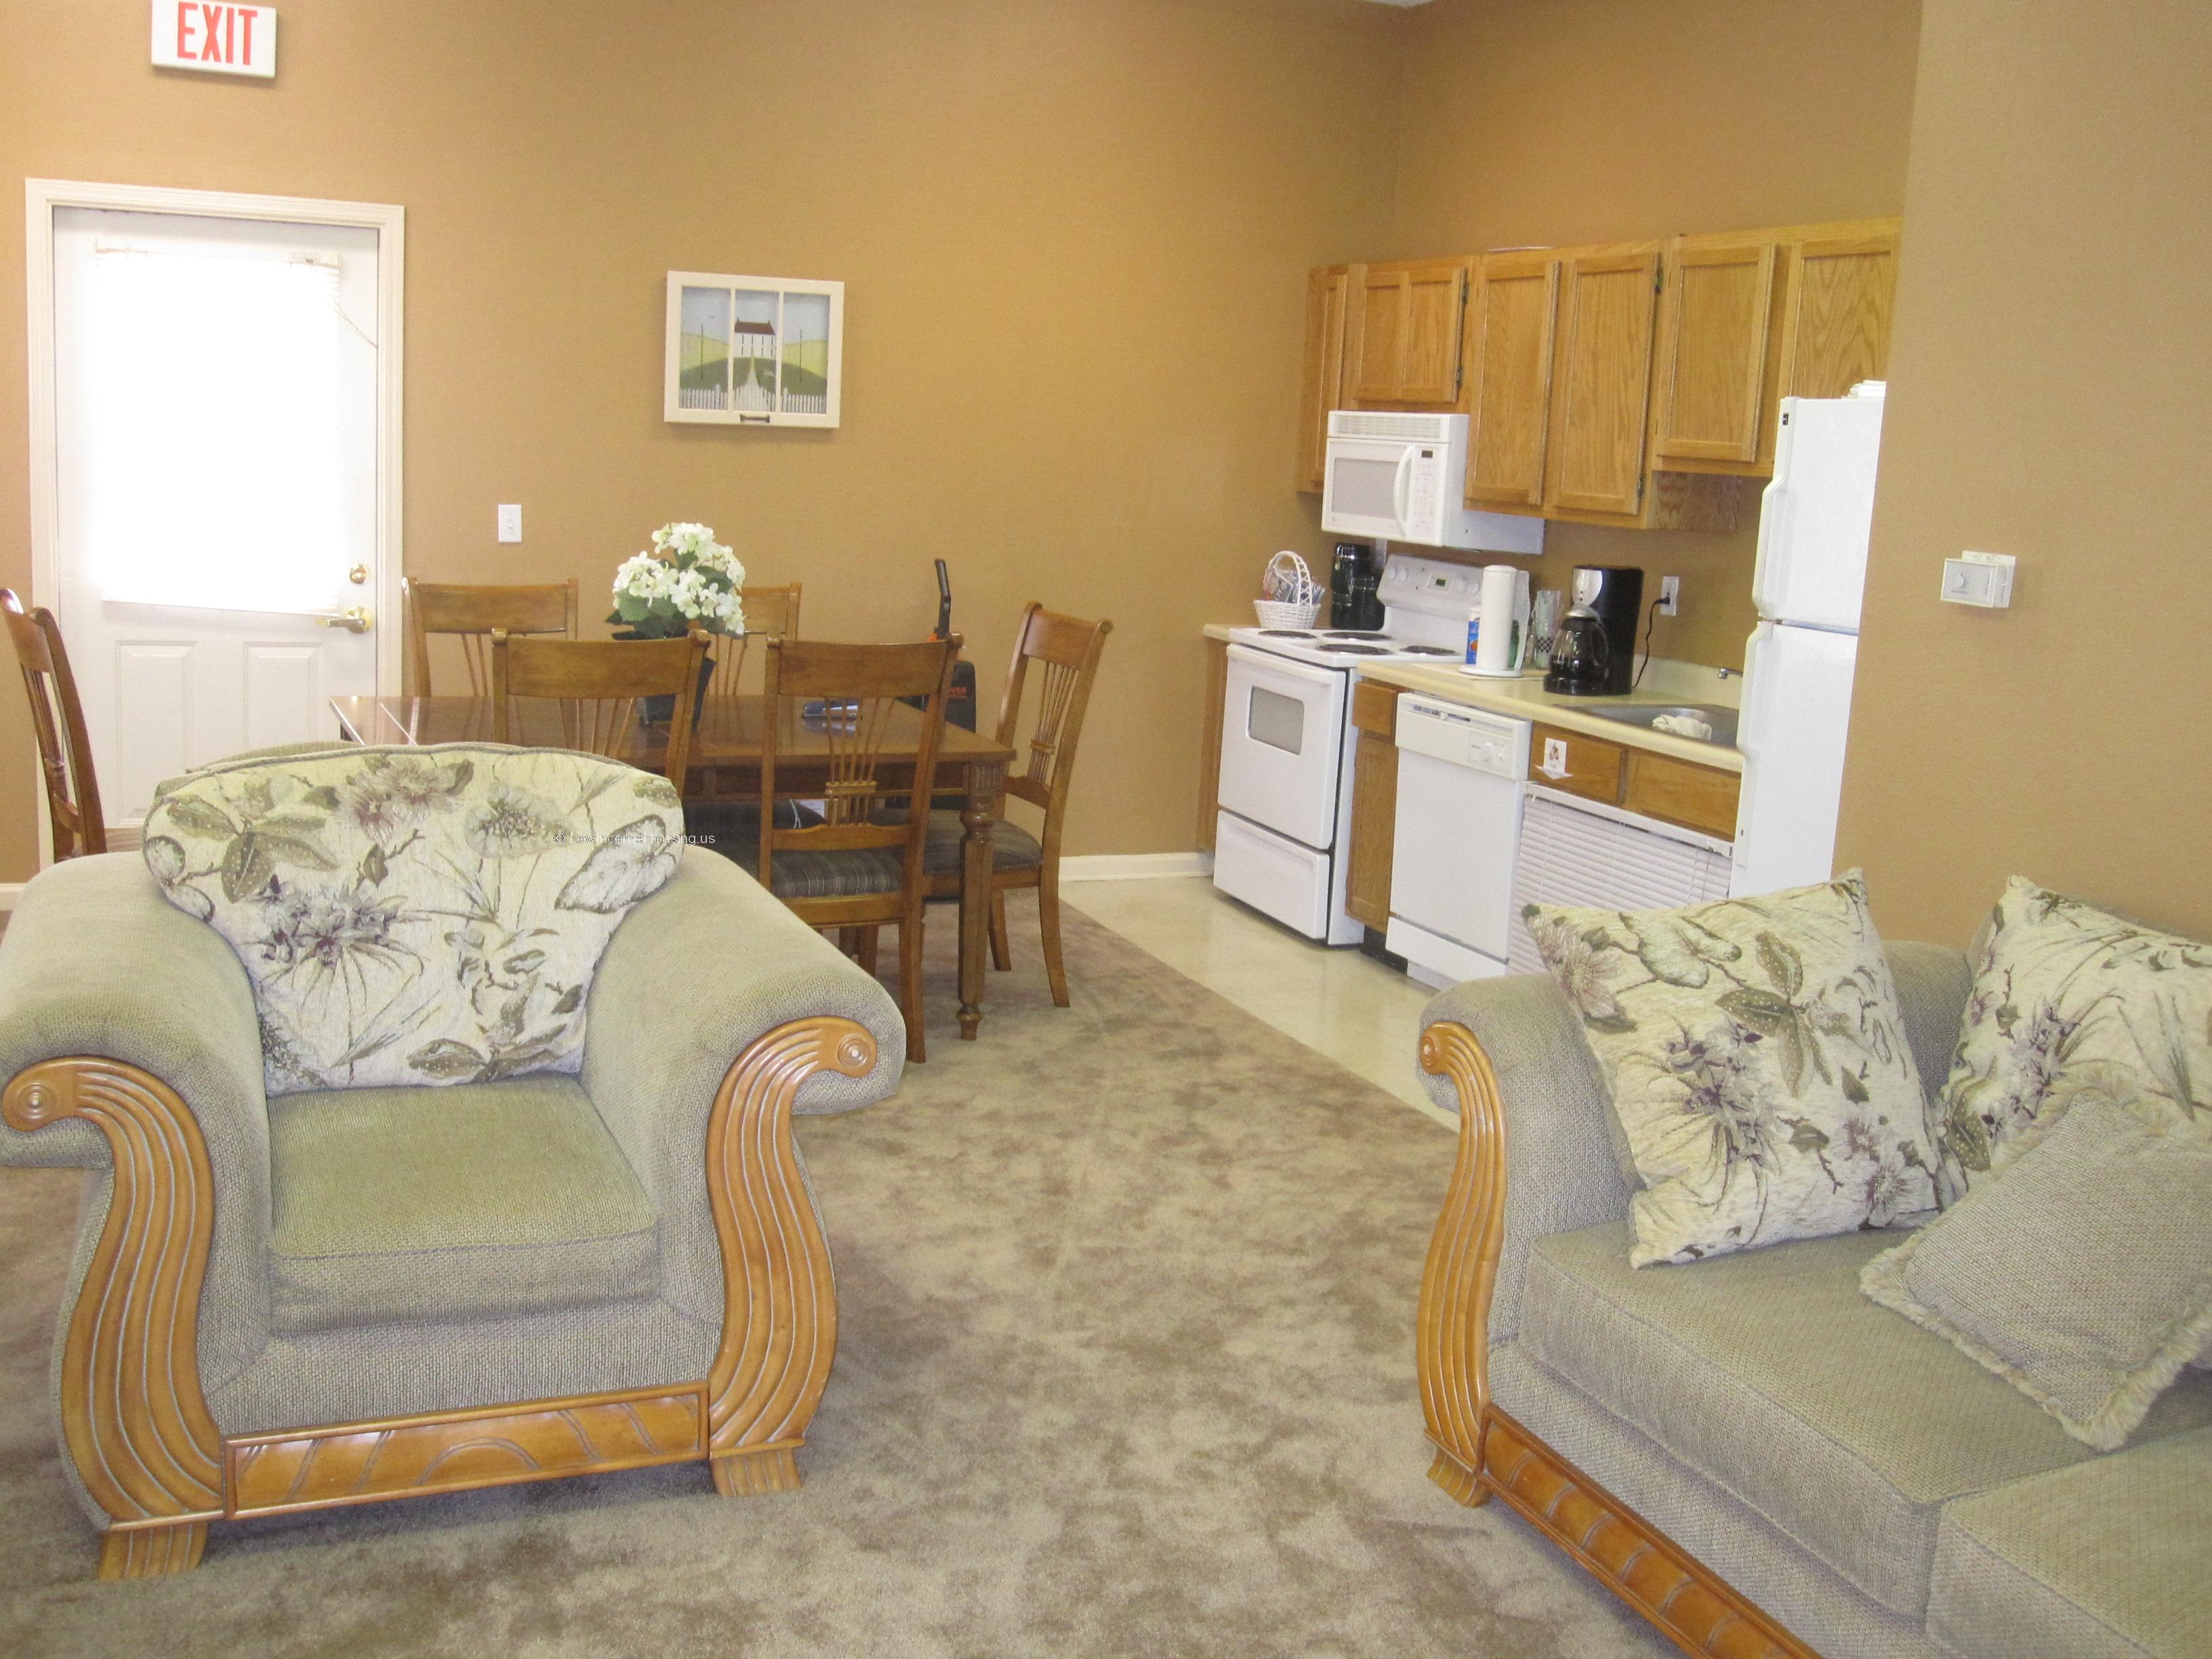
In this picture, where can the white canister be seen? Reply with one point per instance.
(1498, 643)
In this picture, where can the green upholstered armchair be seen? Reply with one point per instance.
(301, 1283)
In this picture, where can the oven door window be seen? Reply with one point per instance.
(1365, 488)
(1276, 720)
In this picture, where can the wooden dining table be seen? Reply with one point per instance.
(726, 756)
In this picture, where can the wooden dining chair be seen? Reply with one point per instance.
(58, 724)
(1058, 657)
(597, 683)
(862, 865)
(471, 611)
(771, 613)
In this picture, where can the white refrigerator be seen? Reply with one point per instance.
(1797, 716)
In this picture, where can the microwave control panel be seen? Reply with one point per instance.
(1421, 524)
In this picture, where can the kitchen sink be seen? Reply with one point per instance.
(1721, 720)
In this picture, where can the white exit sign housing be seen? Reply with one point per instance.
(216, 37)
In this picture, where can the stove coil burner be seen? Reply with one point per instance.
(1286, 633)
(1358, 650)
(1355, 633)
(1426, 651)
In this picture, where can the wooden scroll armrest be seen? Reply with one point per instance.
(1453, 1326)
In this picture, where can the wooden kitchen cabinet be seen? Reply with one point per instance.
(1601, 379)
(1681, 791)
(1753, 316)
(1512, 303)
(1402, 332)
(1210, 710)
(1580, 765)
(1329, 291)
(1374, 804)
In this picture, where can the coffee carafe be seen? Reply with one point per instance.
(1593, 652)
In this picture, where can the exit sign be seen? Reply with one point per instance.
(217, 37)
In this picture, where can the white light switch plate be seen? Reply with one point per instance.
(1980, 578)
(510, 521)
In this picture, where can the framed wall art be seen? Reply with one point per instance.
(753, 350)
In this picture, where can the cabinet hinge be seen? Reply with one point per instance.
(1659, 277)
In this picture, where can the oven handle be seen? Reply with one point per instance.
(1402, 487)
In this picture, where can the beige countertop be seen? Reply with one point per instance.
(1665, 681)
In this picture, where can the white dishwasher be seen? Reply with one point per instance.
(1461, 774)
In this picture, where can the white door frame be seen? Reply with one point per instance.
(42, 196)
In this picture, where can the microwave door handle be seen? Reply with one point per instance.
(1402, 487)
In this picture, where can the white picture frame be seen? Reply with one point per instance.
(753, 350)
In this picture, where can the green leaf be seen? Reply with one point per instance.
(1762, 1010)
(247, 869)
(1782, 962)
(571, 999)
(523, 962)
(447, 1057)
(1615, 1025)
(324, 798)
(199, 817)
(1854, 1089)
(1806, 1136)
(1793, 1057)
(295, 849)
(373, 866)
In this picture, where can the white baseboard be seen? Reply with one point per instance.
(1135, 866)
(9, 892)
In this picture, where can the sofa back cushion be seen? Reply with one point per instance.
(415, 915)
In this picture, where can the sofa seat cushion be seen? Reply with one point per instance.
(2104, 1560)
(1768, 1373)
(482, 1199)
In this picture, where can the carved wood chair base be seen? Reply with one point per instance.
(1462, 1483)
(152, 1551)
(755, 1473)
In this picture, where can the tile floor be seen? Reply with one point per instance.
(1340, 1003)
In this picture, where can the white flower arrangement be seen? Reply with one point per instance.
(687, 577)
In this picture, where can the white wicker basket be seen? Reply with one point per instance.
(1275, 613)
(1293, 596)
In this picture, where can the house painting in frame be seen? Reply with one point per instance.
(753, 350)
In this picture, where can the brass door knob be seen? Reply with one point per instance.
(358, 575)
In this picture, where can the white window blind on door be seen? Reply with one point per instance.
(1569, 856)
(213, 437)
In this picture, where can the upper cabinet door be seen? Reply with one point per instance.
(1602, 382)
(1838, 329)
(1512, 309)
(1405, 332)
(1717, 370)
(1322, 388)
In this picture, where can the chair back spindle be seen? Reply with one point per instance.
(58, 724)
(771, 613)
(1062, 653)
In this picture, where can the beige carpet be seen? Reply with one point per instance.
(1127, 1369)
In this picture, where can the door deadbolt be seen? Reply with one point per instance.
(358, 575)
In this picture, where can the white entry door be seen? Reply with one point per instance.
(214, 422)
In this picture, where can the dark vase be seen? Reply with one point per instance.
(658, 711)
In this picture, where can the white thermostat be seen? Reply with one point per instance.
(1982, 579)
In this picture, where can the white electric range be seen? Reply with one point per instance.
(1280, 842)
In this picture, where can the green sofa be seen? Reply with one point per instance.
(1749, 1451)
(332, 1297)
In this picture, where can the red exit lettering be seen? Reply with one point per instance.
(225, 33)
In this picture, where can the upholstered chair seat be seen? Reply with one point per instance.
(486, 1200)
(850, 873)
(1012, 847)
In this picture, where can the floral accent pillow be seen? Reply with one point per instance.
(1758, 1066)
(408, 916)
(2067, 998)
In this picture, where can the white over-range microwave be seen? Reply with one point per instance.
(1401, 478)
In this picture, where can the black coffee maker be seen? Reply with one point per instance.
(1353, 601)
(1593, 652)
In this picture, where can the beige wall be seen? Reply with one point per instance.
(2051, 395)
(1073, 236)
(1554, 122)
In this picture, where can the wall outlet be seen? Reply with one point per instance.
(510, 521)
(1670, 596)
(1980, 578)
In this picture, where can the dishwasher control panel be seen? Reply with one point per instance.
(1495, 744)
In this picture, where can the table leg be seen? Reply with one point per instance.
(986, 779)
